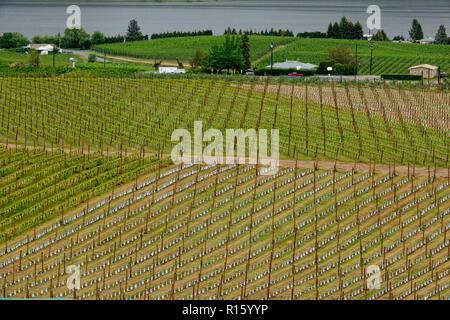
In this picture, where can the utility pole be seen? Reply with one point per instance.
(104, 59)
(271, 58)
(54, 48)
(439, 74)
(371, 56)
(356, 59)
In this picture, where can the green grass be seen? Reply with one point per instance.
(9, 57)
(184, 48)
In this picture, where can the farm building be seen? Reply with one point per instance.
(427, 70)
(293, 65)
(43, 48)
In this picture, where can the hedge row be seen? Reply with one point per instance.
(37, 71)
(399, 76)
(338, 69)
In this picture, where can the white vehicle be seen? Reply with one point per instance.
(171, 70)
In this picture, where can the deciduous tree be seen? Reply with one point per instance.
(340, 54)
(228, 55)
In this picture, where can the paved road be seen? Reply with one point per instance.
(82, 54)
(347, 78)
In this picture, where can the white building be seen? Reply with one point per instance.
(43, 48)
(293, 65)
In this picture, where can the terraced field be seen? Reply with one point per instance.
(84, 180)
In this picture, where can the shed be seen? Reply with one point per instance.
(427, 70)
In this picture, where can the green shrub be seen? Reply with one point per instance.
(92, 58)
(338, 69)
(344, 69)
(400, 76)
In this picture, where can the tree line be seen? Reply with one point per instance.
(271, 32)
(345, 29)
(179, 34)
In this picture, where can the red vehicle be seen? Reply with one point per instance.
(295, 74)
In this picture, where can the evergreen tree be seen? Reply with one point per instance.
(380, 36)
(441, 35)
(336, 31)
(330, 33)
(344, 27)
(416, 32)
(358, 32)
(350, 30)
(245, 46)
(134, 31)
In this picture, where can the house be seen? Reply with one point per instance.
(426, 41)
(427, 70)
(293, 65)
(43, 48)
(162, 69)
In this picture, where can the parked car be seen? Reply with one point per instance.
(443, 74)
(295, 74)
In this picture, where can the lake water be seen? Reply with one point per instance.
(34, 17)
